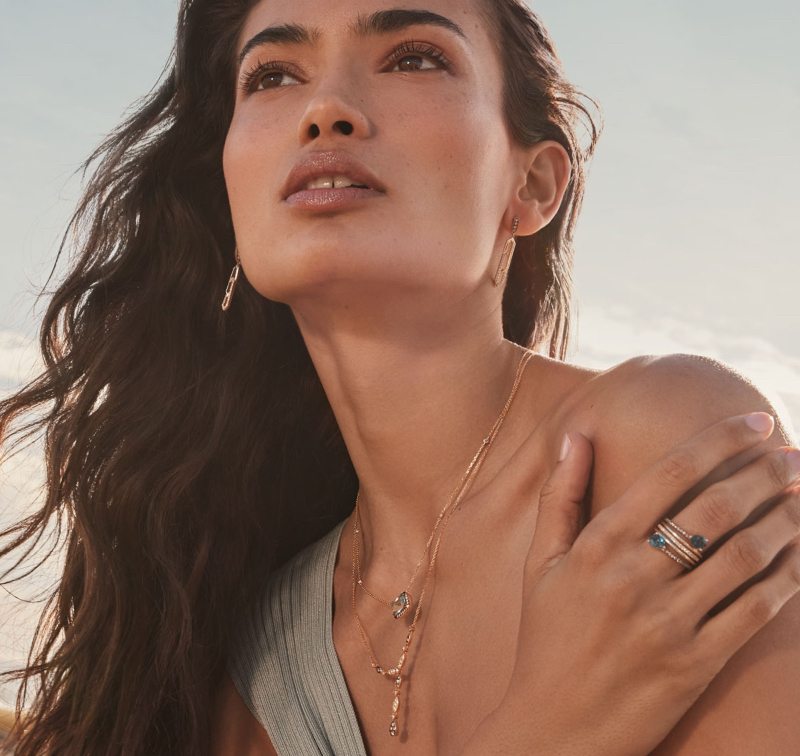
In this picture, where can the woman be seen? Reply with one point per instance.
(400, 342)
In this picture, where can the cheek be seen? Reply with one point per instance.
(457, 142)
(248, 165)
(456, 138)
(445, 135)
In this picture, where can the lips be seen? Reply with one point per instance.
(329, 200)
(329, 164)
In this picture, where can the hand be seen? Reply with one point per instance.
(615, 640)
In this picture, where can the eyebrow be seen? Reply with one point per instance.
(380, 22)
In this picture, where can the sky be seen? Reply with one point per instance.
(688, 238)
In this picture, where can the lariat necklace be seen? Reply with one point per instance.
(401, 604)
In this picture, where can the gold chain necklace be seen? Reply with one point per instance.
(395, 673)
(401, 603)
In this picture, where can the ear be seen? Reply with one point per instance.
(546, 171)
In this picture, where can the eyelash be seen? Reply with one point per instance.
(405, 49)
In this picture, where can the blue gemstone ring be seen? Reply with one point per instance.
(685, 548)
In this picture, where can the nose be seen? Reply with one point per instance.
(330, 114)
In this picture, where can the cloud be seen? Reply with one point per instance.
(21, 479)
(19, 360)
(21, 603)
(609, 335)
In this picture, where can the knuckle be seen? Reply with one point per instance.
(792, 508)
(697, 663)
(679, 466)
(762, 608)
(619, 584)
(794, 571)
(701, 661)
(717, 509)
(776, 470)
(548, 494)
(791, 562)
(708, 655)
(664, 625)
(747, 554)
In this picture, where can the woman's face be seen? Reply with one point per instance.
(431, 131)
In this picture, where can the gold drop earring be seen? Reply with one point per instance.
(505, 258)
(226, 303)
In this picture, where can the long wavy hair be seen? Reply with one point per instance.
(189, 451)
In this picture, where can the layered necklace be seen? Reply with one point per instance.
(403, 601)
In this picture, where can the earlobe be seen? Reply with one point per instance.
(548, 176)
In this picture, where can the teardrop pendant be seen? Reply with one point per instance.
(401, 605)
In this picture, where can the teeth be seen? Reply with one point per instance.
(335, 182)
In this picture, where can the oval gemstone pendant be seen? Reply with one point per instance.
(400, 605)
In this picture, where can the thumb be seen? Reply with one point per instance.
(558, 521)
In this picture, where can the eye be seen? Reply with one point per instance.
(276, 70)
(411, 49)
(263, 71)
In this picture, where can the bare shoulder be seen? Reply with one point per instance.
(636, 412)
(235, 731)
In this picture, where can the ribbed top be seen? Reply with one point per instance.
(284, 664)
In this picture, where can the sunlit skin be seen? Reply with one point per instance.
(395, 301)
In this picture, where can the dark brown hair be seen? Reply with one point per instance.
(189, 452)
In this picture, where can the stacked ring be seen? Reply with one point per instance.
(676, 543)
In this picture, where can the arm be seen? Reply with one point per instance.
(649, 405)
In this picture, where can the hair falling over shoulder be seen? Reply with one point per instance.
(190, 451)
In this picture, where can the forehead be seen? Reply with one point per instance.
(357, 19)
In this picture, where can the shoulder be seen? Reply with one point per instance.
(683, 392)
(636, 411)
(689, 379)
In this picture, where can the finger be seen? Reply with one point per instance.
(727, 504)
(746, 554)
(683, 467)
(725, 633)
(560, 500)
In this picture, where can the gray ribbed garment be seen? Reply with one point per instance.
(284, 664)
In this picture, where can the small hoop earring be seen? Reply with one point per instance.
(231, 287)
(505, 258)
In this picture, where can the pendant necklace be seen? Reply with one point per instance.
(402, 602)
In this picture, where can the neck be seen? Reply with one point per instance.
(413, 414)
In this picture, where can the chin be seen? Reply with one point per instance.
(313, 270)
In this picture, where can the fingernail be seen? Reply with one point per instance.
(761, 422)
(566, 445)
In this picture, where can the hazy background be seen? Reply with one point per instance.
(688, 236)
